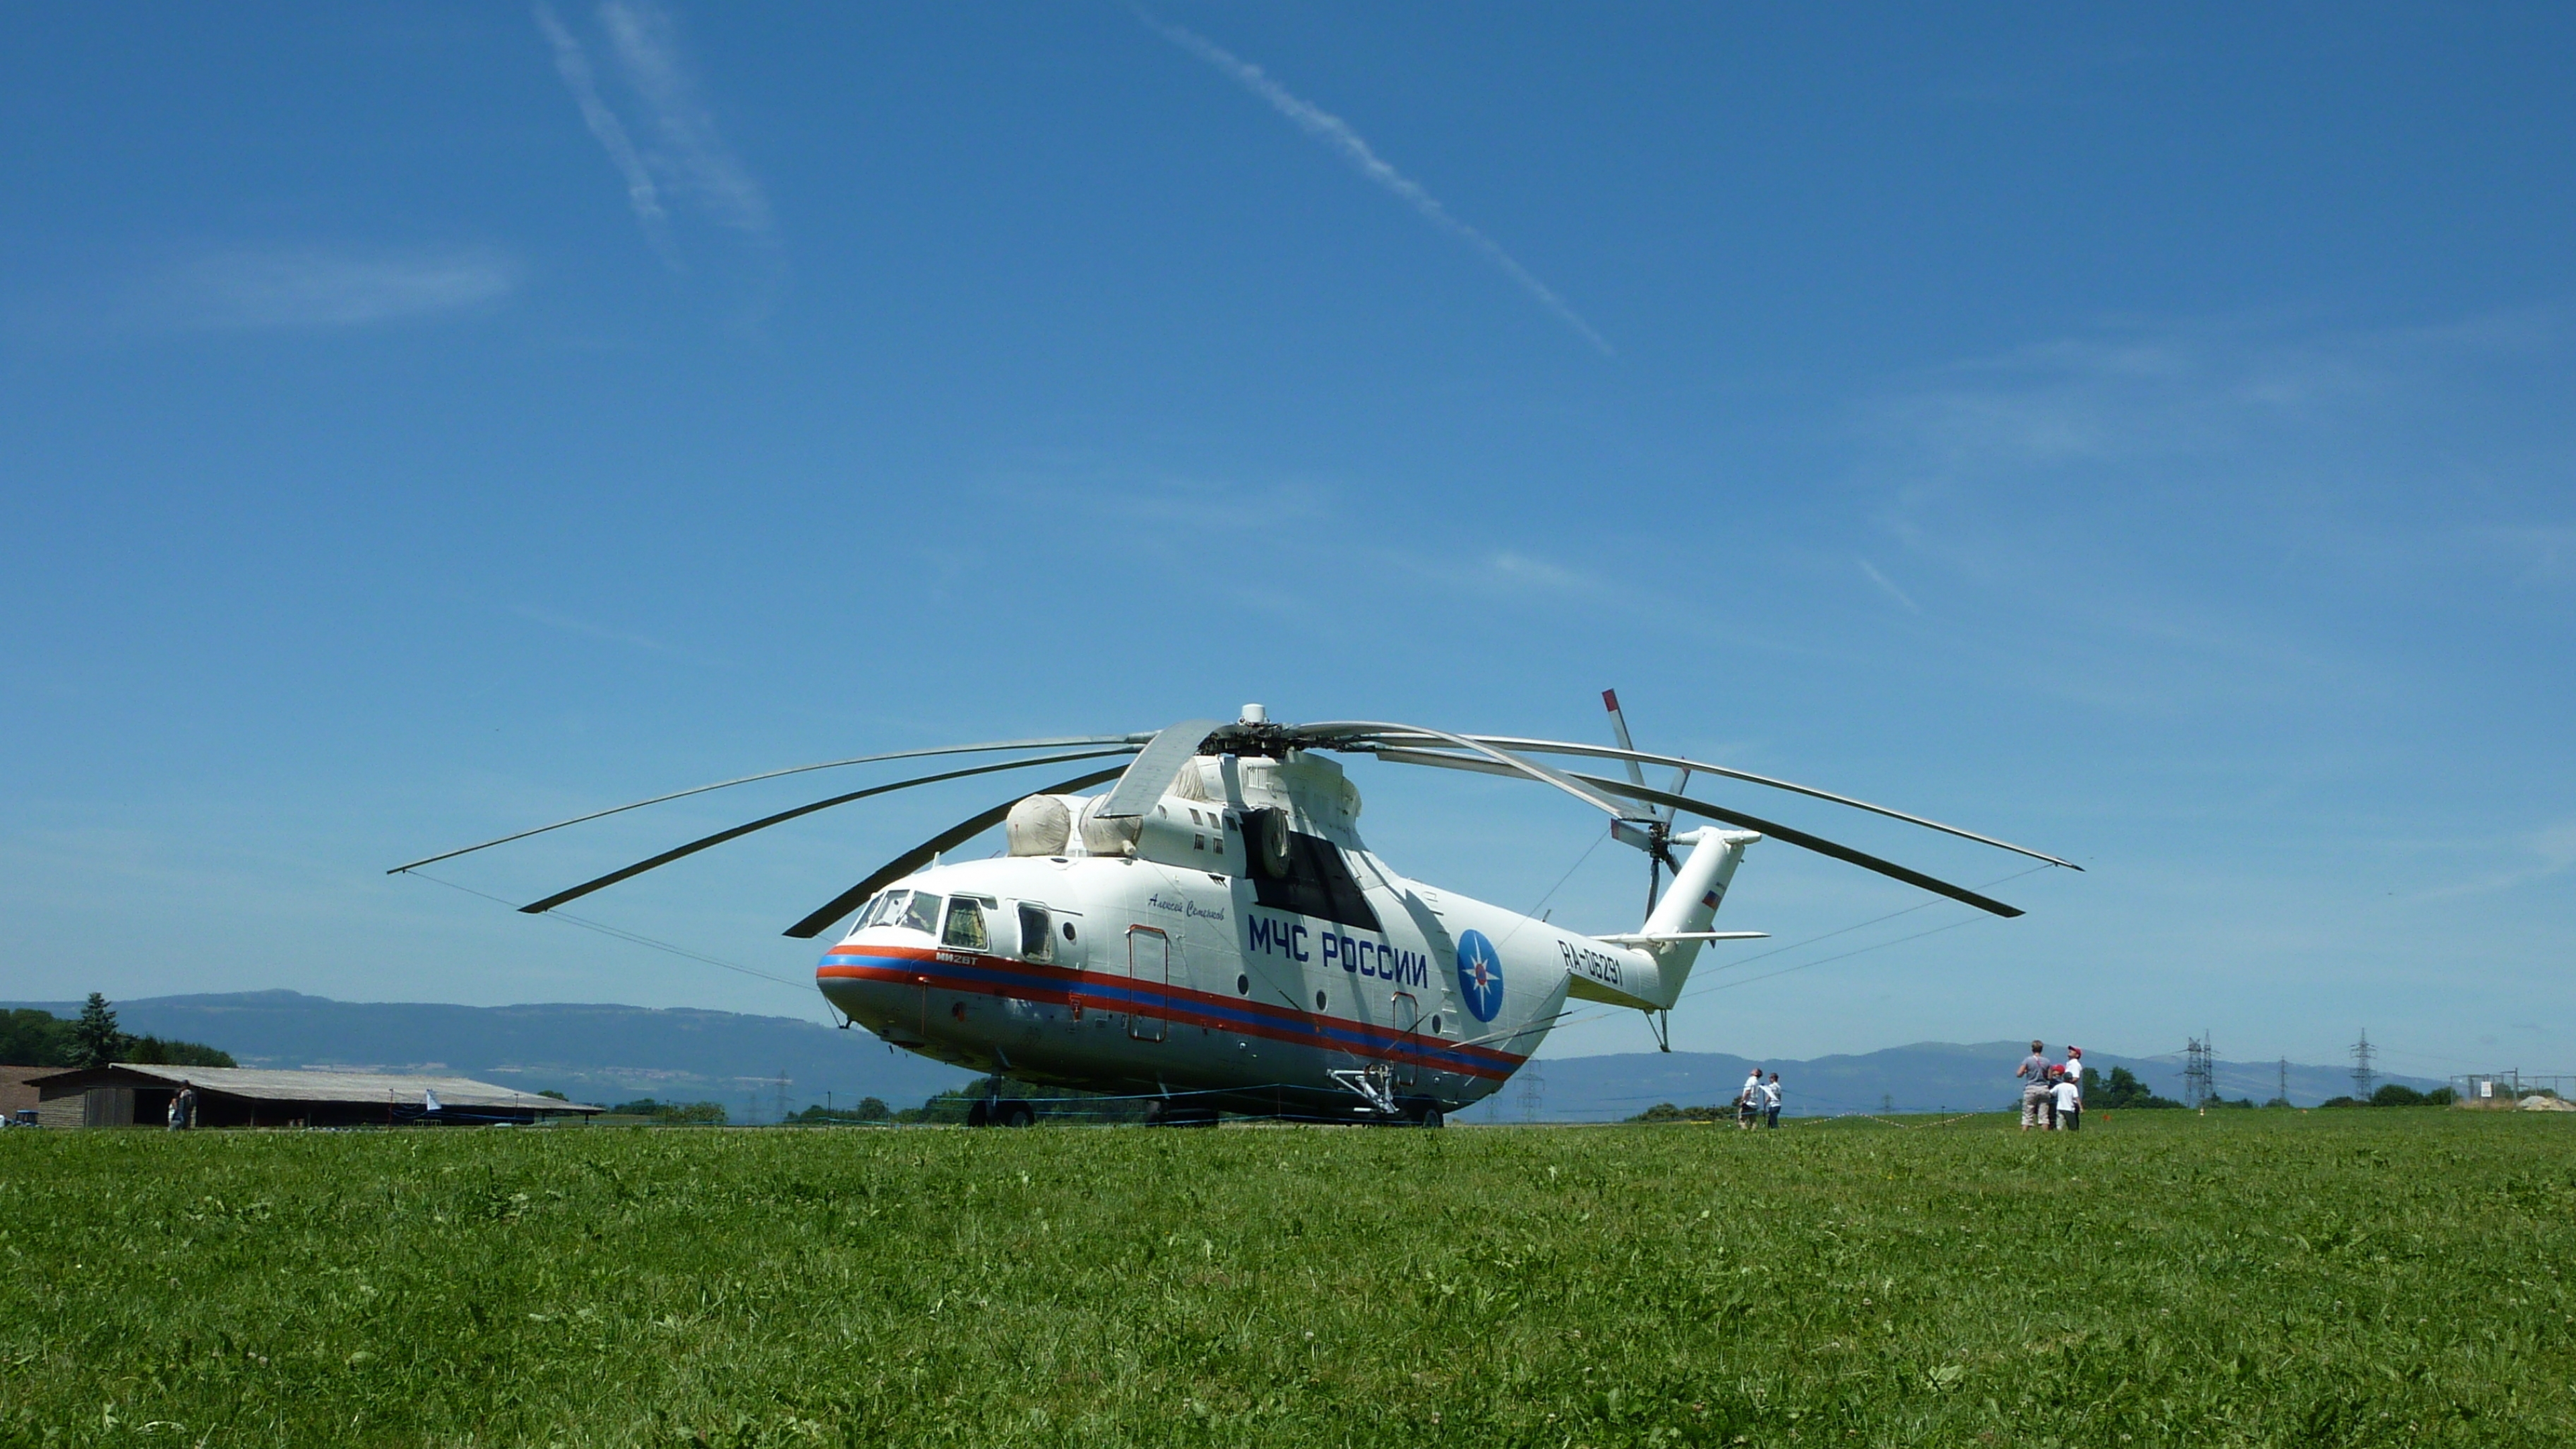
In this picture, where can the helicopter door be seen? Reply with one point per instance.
(1149, 967)
(1407, 1021)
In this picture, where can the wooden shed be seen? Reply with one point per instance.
(130, 1095)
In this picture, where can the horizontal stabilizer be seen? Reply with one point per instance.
(1657, 938)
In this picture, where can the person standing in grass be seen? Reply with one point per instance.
(2069, 1102)
(2034, 1092)
(1749, 1101)
(1771, 1103)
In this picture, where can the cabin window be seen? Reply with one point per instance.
(1315, 880)
(921, 914)
(965, 925)
(1035, 942)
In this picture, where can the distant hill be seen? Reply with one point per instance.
(590, 1052)
(606, 1053)
(1924, 1077)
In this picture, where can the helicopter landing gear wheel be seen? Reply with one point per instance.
(979, 1113)
(1015, 1114)
(1422, 1112)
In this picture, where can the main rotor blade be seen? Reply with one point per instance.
(1059, 743)
(913, 859)
(1402, 756)
(1619, 727)
(783, 816)
(1153, 771)
(1363, 731)
(1600, 752)
(1816, 843)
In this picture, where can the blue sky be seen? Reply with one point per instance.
(2143, 435)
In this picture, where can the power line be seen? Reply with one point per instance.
(620, 933)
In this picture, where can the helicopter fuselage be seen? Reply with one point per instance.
(1133, 976)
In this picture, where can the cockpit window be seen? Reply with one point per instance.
(965, 925)
(1036, 942)
(920, 914)
(877, 908)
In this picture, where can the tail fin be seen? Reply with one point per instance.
(1687, 910)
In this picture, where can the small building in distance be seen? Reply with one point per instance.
(127, 1094)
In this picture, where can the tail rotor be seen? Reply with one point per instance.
(1652, 834)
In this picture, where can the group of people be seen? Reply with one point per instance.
(183, 1107)
(1758, 1102)
(2052, 1093)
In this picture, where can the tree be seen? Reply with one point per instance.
(870, 1109)
(672, 1114)
(1056, 1103)
(32, 1038)
(153, 1051)
(2125, 1090)
(95, 1039)
(2396, 1095)
(1667, 1112)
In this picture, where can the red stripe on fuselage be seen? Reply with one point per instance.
(1057, 985)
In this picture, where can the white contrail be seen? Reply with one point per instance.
(572, 62)
(1893, 591)
(1336, 133)
(649, 54)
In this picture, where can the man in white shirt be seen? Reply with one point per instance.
(1749, 1100)
(1771, 1102)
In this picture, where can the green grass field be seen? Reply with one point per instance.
(2378, 1277)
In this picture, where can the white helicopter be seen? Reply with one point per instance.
(1213, 934)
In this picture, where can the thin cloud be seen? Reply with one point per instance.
(685, 156)
(2554, 850)
(648, 52)
(1336, 133)
(588, 630)
(1892, 591)
(2543, 553)
(1520, 571)
(319, 287)
(572, 62)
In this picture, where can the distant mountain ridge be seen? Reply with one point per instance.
(589, 1051)
(1922, 1077)
(601, 1052)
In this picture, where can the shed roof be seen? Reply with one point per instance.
(295, 1086)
